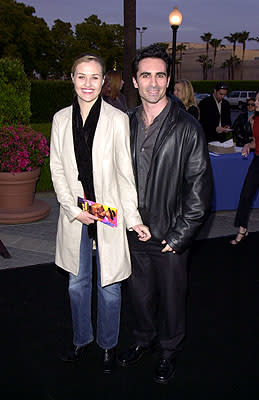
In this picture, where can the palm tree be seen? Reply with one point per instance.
(180, 48)
(233, 38)
(243, 37)
(206, 37)
(230, 63)
(255, 39)
(215, 44)
(205, 64)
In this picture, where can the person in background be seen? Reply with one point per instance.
(174, 184)
(111, 91)
(184, 91)
(242, 127)
(251, 183)
(90, 158)
(215, 114)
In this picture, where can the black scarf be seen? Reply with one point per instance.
(83, 136)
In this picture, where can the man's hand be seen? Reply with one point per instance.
(86, 218)
(167, 248)
(221, 129)
(143, 232)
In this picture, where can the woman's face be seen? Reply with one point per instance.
(88, 81)
(178, 90)
(257, 102)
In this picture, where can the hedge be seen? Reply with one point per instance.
(47, 97)
(208, 86)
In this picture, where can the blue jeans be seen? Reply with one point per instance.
(108, 301)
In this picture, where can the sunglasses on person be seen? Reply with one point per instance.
(250, 104)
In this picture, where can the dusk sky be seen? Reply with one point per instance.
(220, 17)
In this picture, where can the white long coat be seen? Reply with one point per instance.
(114, 186)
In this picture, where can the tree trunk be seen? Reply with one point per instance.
(129, 50)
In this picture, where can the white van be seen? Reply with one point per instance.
(238, 98)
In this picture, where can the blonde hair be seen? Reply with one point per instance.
(114, 79)
(87, 58)
(187, 93)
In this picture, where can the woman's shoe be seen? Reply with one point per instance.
(242, 236)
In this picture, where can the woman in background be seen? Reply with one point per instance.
(251, 183)
(184, 91)
(111, 91)
(242, 127)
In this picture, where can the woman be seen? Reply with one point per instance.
(242, 128)
(251, 183)
(184, 91)
(90, 158)
(111, 91)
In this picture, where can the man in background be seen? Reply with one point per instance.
(215, 114)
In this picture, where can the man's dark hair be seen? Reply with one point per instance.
(221, 85)
(152, 51)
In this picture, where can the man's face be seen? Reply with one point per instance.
(88, 81)
(220, 94)
(152, 80)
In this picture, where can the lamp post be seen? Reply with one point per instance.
(141, 31)
(175, 19)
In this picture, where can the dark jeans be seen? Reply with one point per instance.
(250, 187)
(157, 292)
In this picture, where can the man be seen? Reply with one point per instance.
(173, 179)
(215, 114)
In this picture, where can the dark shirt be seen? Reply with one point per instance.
(146, 139)
(119, 103)
(193, 110)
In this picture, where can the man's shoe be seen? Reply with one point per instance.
(76, 353)
(132, 355)
(109, 360)
(164, 371)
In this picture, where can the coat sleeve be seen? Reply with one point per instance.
(126, 182)
(195, 199)
(58, 174)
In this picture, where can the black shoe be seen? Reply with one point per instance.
(164, 371)
(109, 360)
(76, 353)
(133, 355)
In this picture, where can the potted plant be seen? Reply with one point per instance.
(22, 152)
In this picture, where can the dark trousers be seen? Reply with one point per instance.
(248, 192)
(157, 292)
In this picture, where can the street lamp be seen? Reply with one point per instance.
(175, 19)
(141, 31)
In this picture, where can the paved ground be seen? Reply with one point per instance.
(34, 243)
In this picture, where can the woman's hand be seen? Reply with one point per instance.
(246, 150)
(143, 232)
(86, 218)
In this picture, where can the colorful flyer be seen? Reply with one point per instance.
(105, 214)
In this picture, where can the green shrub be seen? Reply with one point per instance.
(14, 93)
(48, 97)
(44, 183)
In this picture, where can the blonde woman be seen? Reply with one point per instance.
(184, 91)
(90, 157)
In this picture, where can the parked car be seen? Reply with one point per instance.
(200, 96)
(238, 98)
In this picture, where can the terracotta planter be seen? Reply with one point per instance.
(17, 203)
(18, 189)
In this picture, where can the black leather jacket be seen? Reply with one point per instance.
(179, 183)
(242, 130)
